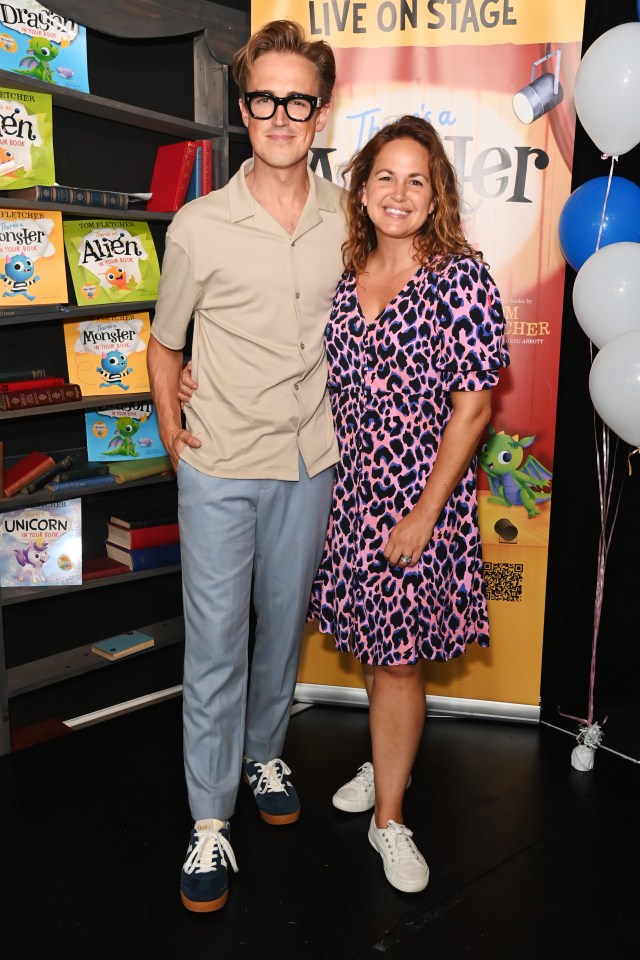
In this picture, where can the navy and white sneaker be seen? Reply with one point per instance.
(274, 793)
(204, 880)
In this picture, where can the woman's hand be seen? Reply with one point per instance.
(186, 385)
(407, 540)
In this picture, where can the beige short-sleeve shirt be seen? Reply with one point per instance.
(261, 299)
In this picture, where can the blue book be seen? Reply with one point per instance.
(123, 644)
(194, 189)
(146, 558)
(81, 485)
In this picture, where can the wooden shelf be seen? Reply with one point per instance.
(69, 311)
(9, 596)
(79, 210)
(85, 404)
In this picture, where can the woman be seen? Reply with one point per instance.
(414, 344)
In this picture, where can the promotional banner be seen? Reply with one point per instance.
(495, 78)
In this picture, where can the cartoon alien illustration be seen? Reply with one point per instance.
(31, 559)
(18, 276)
(122, 441)
(512, 482)
(40, 53)
(113, 367)
(116, 277)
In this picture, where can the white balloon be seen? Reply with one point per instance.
(606, 292)
(607, 90)
(614, 385)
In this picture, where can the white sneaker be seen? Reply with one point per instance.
(358, 794)
(404, 866)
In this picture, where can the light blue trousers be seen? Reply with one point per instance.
(230, 532)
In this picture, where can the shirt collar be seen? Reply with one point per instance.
(242, 203)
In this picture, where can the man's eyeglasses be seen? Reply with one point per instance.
(297, 106)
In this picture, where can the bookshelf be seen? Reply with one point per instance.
(107, 139)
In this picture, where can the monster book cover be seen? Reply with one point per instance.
(32, 268)
(108, 355)
(111, 261)
(26, 138)
(42, 546)
(36, 42)
(126, 432)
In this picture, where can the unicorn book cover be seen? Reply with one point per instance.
(41, 546)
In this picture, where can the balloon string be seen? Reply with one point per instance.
(606, 198)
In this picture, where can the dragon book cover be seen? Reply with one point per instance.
(42, 546)
(124, 432)
(36, 42)
(32, 267)
(111, 261)
(108, 355)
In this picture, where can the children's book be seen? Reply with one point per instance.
(41, 546)
(123, 644)
(126, 432)
(36, 42)
(26, 138)
(109, 354)
(111, 261)
(32, 268)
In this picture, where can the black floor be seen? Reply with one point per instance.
(528, 857)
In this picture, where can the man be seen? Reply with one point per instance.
(257, 263)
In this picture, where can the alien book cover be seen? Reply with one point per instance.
(111, 261)
(108, 355)
(26, 139)
(32, 269)
(42, 546)
(36, 42)
(126, 432)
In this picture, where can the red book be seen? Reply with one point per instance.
(171, 175)
(96, 568)
(207, 166)
(134, 539)
(26, 470)
(10, 386)
(24, 399)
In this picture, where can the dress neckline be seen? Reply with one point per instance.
(409, 283)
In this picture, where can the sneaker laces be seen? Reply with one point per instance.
(401, 846)
(364, 775)
(210, 847)
(271, 776)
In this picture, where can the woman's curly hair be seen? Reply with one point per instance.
(441, 236)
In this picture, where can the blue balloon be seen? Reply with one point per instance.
(580, 218)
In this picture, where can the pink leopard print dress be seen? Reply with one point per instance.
(390, 386)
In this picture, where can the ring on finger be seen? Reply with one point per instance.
(405, 558)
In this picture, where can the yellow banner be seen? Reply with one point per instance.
(427, 23)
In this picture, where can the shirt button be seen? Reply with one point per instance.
(297, 295)
(302, 346)
(293, 243)
(296, 386)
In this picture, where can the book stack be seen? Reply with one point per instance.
(21, 389)
(81, 478)
(124, 471)
(171, 175)
(143, 543)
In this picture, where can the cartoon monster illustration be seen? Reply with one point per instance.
(31, 559)
(113, 367)
(40, 52)
(122, 441)
(19, 276)
(510, 483)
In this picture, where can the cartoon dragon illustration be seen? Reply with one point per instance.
(19, 276)
(39, 54)
(122, 441)
(512, 482)
(113, 367)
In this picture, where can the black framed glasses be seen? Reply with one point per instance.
(297, 106)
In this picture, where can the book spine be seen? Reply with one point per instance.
(185, 171)
(2, 493)
(12, 376)
(29, 476)
(137, 523)
(49, 474)
(24, 399)
(87, 483)
(145, 537)
(150, 557)
(82, 197)
(207, 166)
(9, 386)
(194, 189)
(87, 470)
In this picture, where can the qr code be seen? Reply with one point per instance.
(503, 581)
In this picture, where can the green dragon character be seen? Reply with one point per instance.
(122, 441)
(500, 458)
(36, 62)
